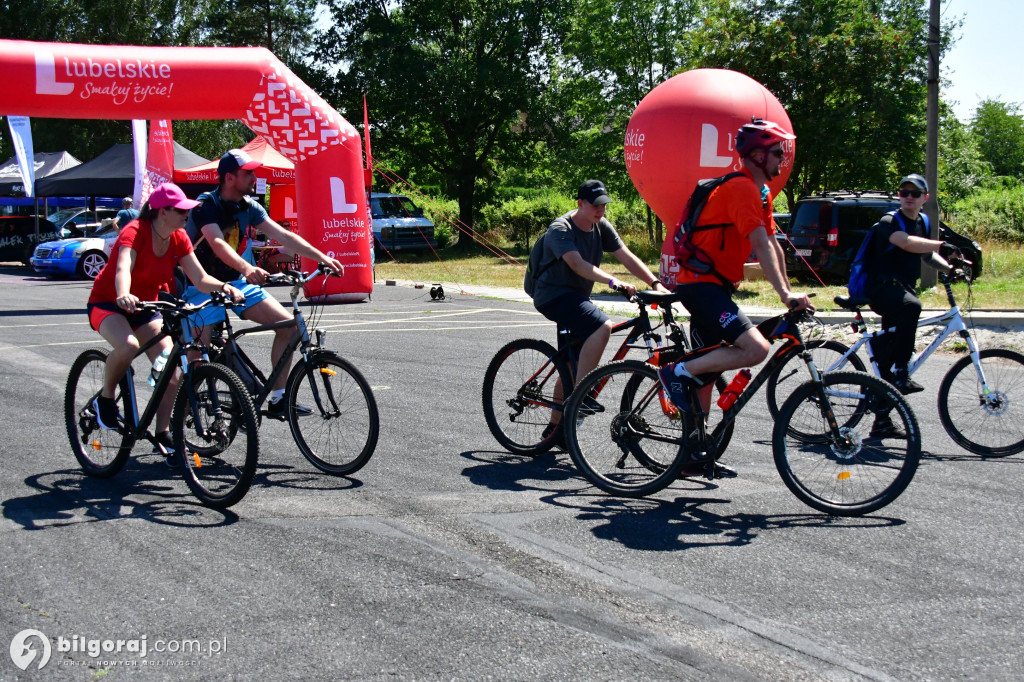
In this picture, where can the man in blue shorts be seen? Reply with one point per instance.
(221, 226)
(573, 250)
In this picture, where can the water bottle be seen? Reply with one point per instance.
(158, 367)
(733, 390)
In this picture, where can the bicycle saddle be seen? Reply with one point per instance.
(649, 297)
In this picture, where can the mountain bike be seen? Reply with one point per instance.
(981, 397)
(638, 442)
(213, 423)
(329, 405)
(519, 383)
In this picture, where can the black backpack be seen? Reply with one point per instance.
(534, 267)
(689, 256)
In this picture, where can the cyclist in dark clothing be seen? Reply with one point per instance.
(895, 276)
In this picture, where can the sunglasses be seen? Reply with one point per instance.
(916, 193)
(179, 211)
(778, 153)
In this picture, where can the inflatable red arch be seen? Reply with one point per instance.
(65, 80)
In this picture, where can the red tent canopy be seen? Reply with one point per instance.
(276, 168)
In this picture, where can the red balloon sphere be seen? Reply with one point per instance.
(684, 130)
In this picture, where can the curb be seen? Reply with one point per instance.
(1003, 319)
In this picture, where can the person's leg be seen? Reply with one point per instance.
(163, 412)
(266, 311)
(123, 344)
(900, 310)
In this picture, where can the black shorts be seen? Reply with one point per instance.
(575, 313)
(714, 316)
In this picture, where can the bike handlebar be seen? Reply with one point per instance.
(294, 277)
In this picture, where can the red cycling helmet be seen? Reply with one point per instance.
(759, 134)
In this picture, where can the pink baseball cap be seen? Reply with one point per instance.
(169, 194)
(235, 160)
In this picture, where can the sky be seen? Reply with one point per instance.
(984, 63)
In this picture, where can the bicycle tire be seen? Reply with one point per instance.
(792, 372)
(220, 474)
(859, 474)
(101, 452)
(514, 382)
(340, 434)
(652, 461)
(604, 445)
(992, 425)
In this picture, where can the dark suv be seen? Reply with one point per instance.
(826, 230)
(18, 237)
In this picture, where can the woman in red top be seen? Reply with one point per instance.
(142, 260)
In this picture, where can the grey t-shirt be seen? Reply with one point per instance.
(562, 237)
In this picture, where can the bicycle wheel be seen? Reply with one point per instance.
(518, 393)
(853, 474)
(992, 424)
(827, 355)
(631, 447)
(339, 433)
(101, 452)
(216, 437)
(629, 396)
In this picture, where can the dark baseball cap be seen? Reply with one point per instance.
(916, 180)
(235, 159)
(593, 191)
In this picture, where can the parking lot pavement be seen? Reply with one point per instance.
(447, 557)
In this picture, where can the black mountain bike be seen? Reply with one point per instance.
(638, 443)
(330, 407)
(519, 383)
(213, 424)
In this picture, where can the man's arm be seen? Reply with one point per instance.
(294, 244)
(638, 268)
(590, 271)
(767, 256)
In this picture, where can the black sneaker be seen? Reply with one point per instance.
(885, 427)
(106, 412)
(560, 441)
(904, 384)
(590, 406)
(700, 469)
(675, 387)
(165, 441)
(279, 410)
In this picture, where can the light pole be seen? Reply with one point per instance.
(931, 171)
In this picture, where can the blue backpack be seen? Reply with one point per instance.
(862, 270)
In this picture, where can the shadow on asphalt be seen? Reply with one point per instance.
(653, 524)
(68, 497)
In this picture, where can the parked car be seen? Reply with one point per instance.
(781, 221)
(398, 224)
(827, 229)
(18, 237)
(76, 222)
(82, 256)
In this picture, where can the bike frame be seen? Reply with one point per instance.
(954, 324)
(641, 326)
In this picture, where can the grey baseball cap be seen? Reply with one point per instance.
(916, 180)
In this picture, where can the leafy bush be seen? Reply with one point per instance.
(443, 213)
(993, 214)
(521, 219)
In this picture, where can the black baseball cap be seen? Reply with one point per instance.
(593, 191)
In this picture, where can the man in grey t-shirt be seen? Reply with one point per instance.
(575, 244)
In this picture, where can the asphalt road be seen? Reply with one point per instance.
(447, 558)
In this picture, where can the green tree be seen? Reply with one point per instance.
(451, 83)
(962, 167)
(285, 27)
(850, 73)
(999, 129)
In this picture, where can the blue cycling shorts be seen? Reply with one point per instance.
(253, 294)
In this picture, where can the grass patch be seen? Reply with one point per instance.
(1001, 286)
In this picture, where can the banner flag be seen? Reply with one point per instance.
(21, 137)
(139, 140)
(160, 157)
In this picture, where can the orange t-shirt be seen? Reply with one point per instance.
(736, 202)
